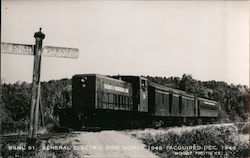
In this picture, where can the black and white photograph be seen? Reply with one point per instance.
(125, 78)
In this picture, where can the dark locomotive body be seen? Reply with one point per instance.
(132, 102)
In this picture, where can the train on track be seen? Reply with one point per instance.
(132, 102)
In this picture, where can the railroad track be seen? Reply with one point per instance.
(23, 137)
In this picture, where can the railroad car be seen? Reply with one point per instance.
(171, 106)
(208, 110)
(131, 102)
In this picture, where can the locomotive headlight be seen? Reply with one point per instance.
(83, 80)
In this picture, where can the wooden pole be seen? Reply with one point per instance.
(41, 107)
(32, 137)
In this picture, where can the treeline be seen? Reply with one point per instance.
(17, 99)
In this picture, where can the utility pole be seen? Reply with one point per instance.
(38, 51)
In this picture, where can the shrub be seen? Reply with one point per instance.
(223, 139)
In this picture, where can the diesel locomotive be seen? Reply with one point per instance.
(132, 102)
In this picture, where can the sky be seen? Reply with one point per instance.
(207, 39)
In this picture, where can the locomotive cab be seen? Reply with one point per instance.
(140, 92)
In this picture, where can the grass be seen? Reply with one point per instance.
(221, 140)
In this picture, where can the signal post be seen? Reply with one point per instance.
(31, 140)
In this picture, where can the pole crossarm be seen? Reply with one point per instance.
(49, 51)
(14, 48)
(62, 52)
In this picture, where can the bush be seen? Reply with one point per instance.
(17, 99)
(223, 139)
(246, 128)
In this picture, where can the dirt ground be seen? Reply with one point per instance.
(109, 144)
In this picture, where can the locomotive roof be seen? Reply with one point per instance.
(207, 100)
(101, 76)
(165, 88)
(131, 76)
